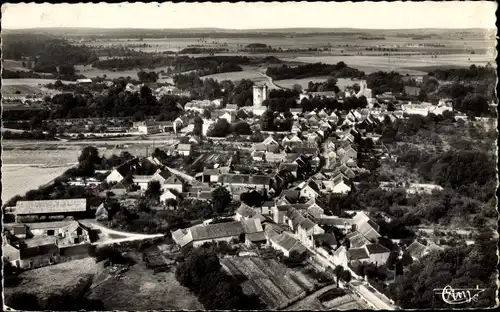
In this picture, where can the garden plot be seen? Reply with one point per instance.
(276, 285)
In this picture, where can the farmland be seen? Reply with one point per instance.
(30, 82)
(410, 64)
(17, 180)
(276, 285)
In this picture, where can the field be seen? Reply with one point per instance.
(91, 72)
(139, 289)
(253, 73)
(30, 82)
(14, 65)
(56, 278)
(411, 64)
(288, 83)
(17, 180)
(274, 283)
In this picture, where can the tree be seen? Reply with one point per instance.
(207, 114)
(198, 126)
(267, 121)
(171, 203)
(153, 190)
(221, 199)
(297, 88)
(241, 128)
(257, 137)
(391, 107)
(219, 129)
(89, 154)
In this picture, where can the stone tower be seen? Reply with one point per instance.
(260, 93)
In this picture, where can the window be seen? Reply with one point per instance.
(50, 232)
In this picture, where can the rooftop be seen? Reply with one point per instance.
(51, 206)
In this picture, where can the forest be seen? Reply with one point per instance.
(339, 70)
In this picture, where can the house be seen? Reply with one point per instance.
(182, 237)
(84, 82)
(282, 179)
(229, 116)
(358, 255)
(101, 213)
(142, 181)
(418, 250)
(244, 212)
(254, 233)
(270, 141)
(310, 190)
(291, 167)
(357, 240)
(212, 175)
(184, 149)
(166, 195)
(258, 155)
(274, 157)
(47, 208)
(32, 253)
(259, 182)
(65, 232)
(340, 185)
(172, 183)
(226, 231)
(284, 241)
(377, 253)
(122, 171)
(288, 141)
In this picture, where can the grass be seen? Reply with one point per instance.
(140, 289)
(55, 279)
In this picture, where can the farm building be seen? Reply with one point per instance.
(50, 209)
(246, 180)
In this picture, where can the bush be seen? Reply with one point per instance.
(332, 294)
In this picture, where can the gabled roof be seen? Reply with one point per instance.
(376, 249)
(270, 140)
(173, 180)
(357, 254)
(290, 194)
(252, 226)
(246, 211)
(327, 239)
(218, 230)
(357, 240)
(51, 206)
(289, 243)
(416, 249)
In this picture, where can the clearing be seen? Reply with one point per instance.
(58, 278)
(140, 289)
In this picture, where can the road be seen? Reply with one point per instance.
(127, 236)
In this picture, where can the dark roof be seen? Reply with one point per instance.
(376, 249)
(304, 150)
(218, 230)
(252, 226)
(128, 167)
(357, 254)
(285, 175)
(290, 194)
(326, 239)
(256, 237)
(334, 221)
(298, 219)
(290, 166)
(268, 204)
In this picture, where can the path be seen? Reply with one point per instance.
(307, 301)
(127, 236)
(271, 82)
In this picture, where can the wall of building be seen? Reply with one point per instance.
(222, 239)
(379, 259)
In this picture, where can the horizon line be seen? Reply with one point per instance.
(243, 29)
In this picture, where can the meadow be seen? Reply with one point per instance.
(18, 179)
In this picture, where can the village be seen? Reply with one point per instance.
(279, 186)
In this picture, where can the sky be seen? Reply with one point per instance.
(362, 15)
